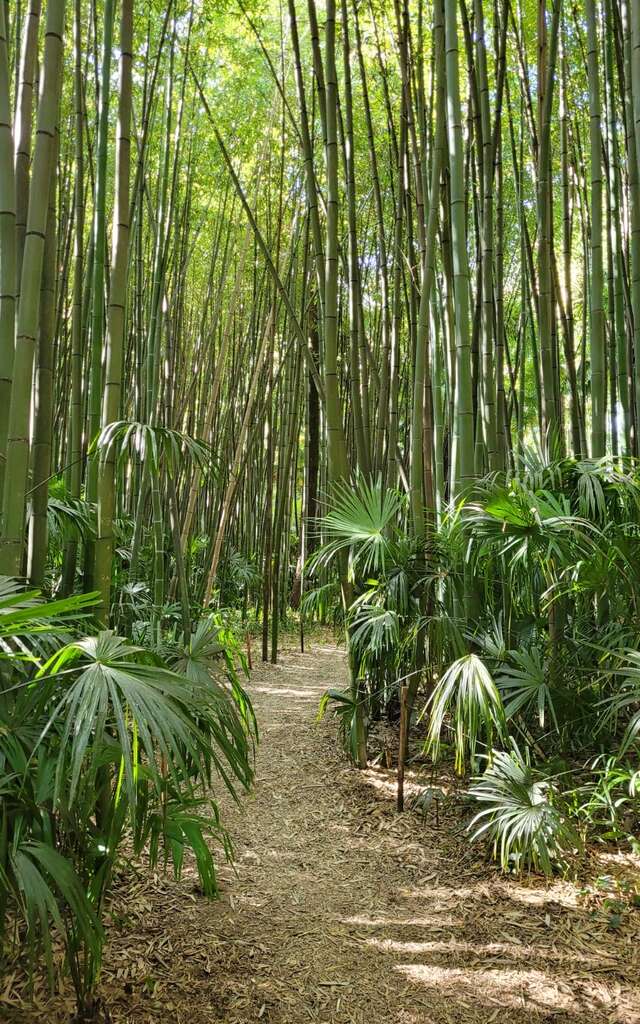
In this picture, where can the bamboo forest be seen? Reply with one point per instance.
(319, 511)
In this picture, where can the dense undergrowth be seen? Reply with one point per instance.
(516, 626)
(110, 748)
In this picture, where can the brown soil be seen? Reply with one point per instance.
(343, 912)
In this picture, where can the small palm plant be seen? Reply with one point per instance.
(106, 742)
(364, 529)
(468, 695)
(362, 524)
(524, 604)
(522, 816)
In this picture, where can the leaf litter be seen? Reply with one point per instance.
(340, 911)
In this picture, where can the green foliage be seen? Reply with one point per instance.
(45, 889)
(68, 518)
(103, 742)
(324, 603)
(542, 646)
(468, 694)
(383, 621)
(524, 686)
(625, 702)
(521, 817)
(343, 706)
(236, 579)
(214, 658)
(607, 802)
(155, 444)
(360, 524)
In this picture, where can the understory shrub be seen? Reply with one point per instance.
(519, 615)
(106, 746)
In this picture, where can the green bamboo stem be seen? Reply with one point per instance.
(11, 543)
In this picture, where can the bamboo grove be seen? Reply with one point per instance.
(410, 236)
(312, 311)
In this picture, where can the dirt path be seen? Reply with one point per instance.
(342, 912)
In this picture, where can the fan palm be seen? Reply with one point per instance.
(363, 523)
(532, 527)
(106, 739)
(523, 683)
(468, 693)
(520, 817)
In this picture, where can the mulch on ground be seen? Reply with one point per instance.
(340, 911)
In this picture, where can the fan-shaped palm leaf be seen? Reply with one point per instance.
(524, 687)
(176, 722)
(211, 660)
(360, 523)
(527, 829)
(469, 694)
(374, 629)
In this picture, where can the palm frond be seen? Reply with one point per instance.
(520, 817)
(70, 519)
(44, 884)
(175, 722)
(126, 437)
(469, 694)
(524, 687)
(374, 629)
(359, 524)
(625, 703)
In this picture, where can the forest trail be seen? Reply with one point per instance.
(343, 912)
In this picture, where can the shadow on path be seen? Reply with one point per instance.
(339, 911)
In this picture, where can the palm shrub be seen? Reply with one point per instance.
(40, 889)
(521, 815)
(525, 607)
(323, 603)
(106, 743)
(556, 549)
(364, 527)
(363, 524)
